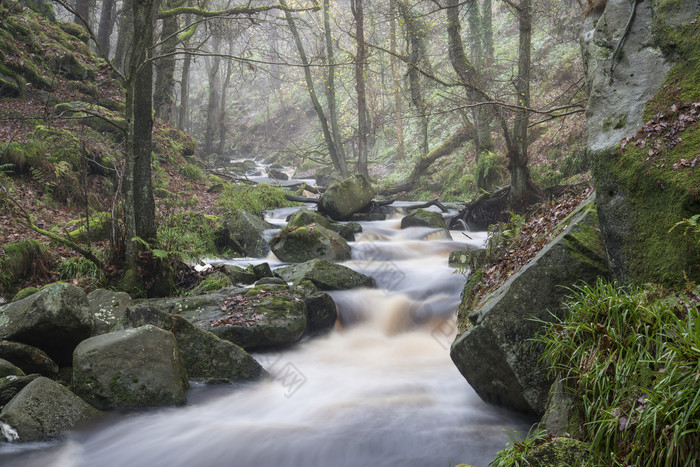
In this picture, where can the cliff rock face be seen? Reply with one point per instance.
(649, 184)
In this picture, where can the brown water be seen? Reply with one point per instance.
(380, 390)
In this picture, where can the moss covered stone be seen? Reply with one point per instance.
(324, 275)
(298, 244)
(345, 198)
(100, 226)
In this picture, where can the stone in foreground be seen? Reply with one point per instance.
(44, 410)
(139, 367)
(496, 355)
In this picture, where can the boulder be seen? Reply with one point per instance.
(239, 275)
(8, 369)
(107, 308)
(261, 317)
(321, 312)
(54, 319)
(29, 359)
(305, 217)
(244, 232)
(424, 218)
(648, 185)
(558, 452)
(139, 367)
(343, 199)
(325, 275)
(299, 244)
(207, 358)
(10, 386)
(44, 410)
(496, 355)
(277, 174)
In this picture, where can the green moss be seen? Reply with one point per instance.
(24, 293)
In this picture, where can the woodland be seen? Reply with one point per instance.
(131, 130)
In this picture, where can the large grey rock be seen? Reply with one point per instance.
(28, 358)
(10, 386)
(424, 218)
(107, 308)
(139, 367)
(321, 312)
(244, 232)
(264, 316)
(342, 200)
(44, 410)
(639, 201)
(9, 369)
(306, 217)
(496, 354)
(298, 244)
(55, 319)
(207, 358)
(325, 275)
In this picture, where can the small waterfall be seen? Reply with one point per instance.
(9, 433)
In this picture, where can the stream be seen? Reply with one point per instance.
(379, 390)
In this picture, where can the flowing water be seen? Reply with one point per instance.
(380, 390)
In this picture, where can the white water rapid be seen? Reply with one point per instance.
(380, 390)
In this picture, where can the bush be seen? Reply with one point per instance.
(188, 233)
(633, 358)
(192, 172)
(252, 198)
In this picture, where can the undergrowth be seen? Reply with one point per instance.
(632, 356)
(252, 198)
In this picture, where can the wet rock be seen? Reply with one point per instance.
(239, 275)
(207, 358)
(299, 244)
(54, 319)
(107, 308)
(424, 218)
(261, 270)
(305, 217)
(342, 200)
(262, 317)
(277, 174)
(325, 275)
(10, 386)
(8, 369)
(44, 410)
(496, 355)
(244, 232)
(321, 312)
(29, 359)
(139, 367)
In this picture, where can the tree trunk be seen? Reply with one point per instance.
(213, 104)
(414, 39)
(183, 121)
(520, 193)
(139, 205)
(122, 54)
(398, 101)
(222, 103)
(104, 30)
(330, 144)
(362, 112)
(83, 10)
(163, 95)
(487, 26)
(330, 88)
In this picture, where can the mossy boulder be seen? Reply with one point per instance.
(299, 244)
(21, 261)
(27, 358)
(139, 367)
(325, 275)
(9, 369)
(10, 86)
(107, 308)
(96, 117)
(264, 316)
(45, 410)
(240, 275)
(304, 217)
(424, 218)
(343, 199)
(649, 183)
(496, 353)
(214, 281)
(244, 232)
(24, 293)
(321, 311)
(55, 319)
(207, 358)
(559, 452)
